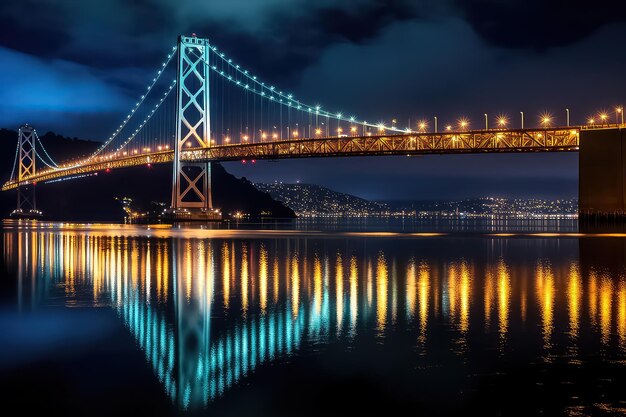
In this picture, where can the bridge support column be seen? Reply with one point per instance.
(26, 198)
(191, 186)
(602, 173)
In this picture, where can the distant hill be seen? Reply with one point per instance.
(315, 200)
(93, 198)
(491, 206)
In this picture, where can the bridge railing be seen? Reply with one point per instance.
(414, 143)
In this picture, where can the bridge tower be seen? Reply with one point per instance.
(191, 186)
(26, 198)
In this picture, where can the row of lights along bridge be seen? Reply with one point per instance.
(546, 120)
(463, 124)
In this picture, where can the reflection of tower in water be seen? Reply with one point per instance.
(208, 312)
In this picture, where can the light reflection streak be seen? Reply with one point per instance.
(504, 299)
(423, 289)
(621, 313)
(574, 301)
(382, 282)
(545, 297)
(339, 292)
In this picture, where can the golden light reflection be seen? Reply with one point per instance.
(544, 281)
(411, 289)
(317, 285)
(423, 287)
(295, 285)
(339, 291)
(489, 295)
(145, 276)
(593, 298)
(276, 276)
(621, 314)
(504, 298)
(459, 290)
(263, 276)
(574, 300)
(466, 281)
(244, 278)
(159, 271)
(200, 276)
(382, 283)
(606, 303)
(226, 274)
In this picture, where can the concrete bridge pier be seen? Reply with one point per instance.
(602, 174)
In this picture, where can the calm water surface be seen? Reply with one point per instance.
(314, 318)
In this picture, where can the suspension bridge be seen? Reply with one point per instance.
(201, 107)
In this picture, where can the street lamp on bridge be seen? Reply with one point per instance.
(546, 119)
(604, 118)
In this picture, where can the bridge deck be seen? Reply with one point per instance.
(492, 141)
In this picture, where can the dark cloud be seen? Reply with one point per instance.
(287, 42)
(538, 24)
(33, 27)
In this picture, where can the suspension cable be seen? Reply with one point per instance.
(143, 123)
(45, 163)
(271, 93)
(136, 106)
(45, 151)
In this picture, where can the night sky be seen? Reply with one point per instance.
(76, 67)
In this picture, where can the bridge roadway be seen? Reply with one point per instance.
(559, 139)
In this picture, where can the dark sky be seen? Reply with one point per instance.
(76, 67)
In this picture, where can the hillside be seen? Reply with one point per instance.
(315, 200)
(93, 198)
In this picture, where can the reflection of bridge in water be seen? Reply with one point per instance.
(208, 312)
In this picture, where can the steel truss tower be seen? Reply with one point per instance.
(26, 201)
(191, 188)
